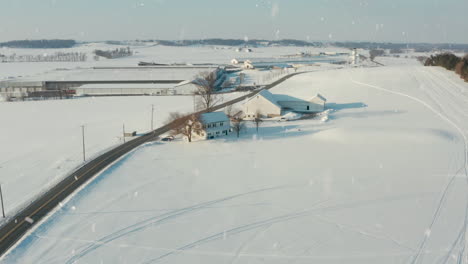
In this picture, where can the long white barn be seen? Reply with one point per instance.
(266, 104)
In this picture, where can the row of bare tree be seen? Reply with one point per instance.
(55, 57)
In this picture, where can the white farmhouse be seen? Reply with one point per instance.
(236, 62)
(266, 104)
(248, 65)
(214, 124)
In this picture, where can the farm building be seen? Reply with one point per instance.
(138, 80)
(248, 65)
(236, 62)
(214, 124)
(126, 89)
(267, 104)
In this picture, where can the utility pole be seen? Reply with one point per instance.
(1, 198)
(84, 149)
(123, 132)
(194, 108)
(152, 116)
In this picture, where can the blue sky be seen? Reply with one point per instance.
(314, 20)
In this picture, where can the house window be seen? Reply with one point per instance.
(217, 132)
(221, 124)
(308, 107)
(209, 125)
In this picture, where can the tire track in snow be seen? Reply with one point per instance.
(453, 124)
(237, 230)
(365, 233)
(437, 83)
(267, 222)
(449, 94)
(244, 245)
(318, 210)
(157, 220)
(460, 87)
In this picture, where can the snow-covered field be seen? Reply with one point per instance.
(382, 181)
(158, 54)
(42, 140)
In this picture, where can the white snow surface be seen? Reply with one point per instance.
(382, 181)
(42, 142)
(151, 53)
(43, 138)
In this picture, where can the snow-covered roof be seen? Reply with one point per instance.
(196, 81)
(118, 74)
(276, 99)
(319, 97)
(128, 86)
(213, 117)
(287, 98)
(268, 96)
(183, 83)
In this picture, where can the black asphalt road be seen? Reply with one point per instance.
(16, 227)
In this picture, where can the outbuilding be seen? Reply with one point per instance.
(266, 104)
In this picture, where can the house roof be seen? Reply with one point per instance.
(183, 83)
(318, 96)
(213, 117)
(127, 86)
(276, 99)
(196, 82)
(287, 98)
(268, 96)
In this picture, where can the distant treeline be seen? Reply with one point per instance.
(394, 47)
(418, 47)
(56, 57)
(113, 54)
(40, 44)
(227, 42)
(450, 62)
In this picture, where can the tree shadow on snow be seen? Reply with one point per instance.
(337, 108)
(279, 131)
(365, 114)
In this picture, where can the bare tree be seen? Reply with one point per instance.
(186, 125)
(376, 52)
(257, 120)
(7, 97)
(228, 110)
(237, 125)
(206, 90)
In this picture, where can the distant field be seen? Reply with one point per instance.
(158, 54)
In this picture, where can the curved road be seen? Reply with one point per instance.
(17, 226)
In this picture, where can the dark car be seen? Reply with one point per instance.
(168, 138)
